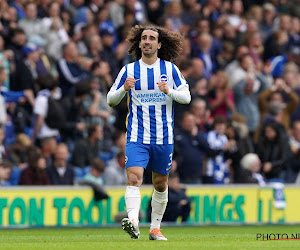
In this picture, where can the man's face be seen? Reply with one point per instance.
(31, 11)
(149, 43)
(99, 133)
(220, 128)
(19, 39)
(61, 155)
(72, 51)
(188, 123)
(4, 173)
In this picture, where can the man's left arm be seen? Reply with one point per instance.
(181, 93)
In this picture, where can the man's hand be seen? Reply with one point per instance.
(267, 167)
(163, 87)
(80, 126)
(129, 83)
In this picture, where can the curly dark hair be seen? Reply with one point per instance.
(171, 42)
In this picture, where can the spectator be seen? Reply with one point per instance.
(294, 8)
(119, 139)
(292, 79)
(87, 149)
(247, 69)
(225, 56)
(179, 204)
(70, 72)
(18, 5)
(42, 8)
(273, 151)
(108, 54)
(277, 94)
(232, 66)
(199, 108)
(193, 147)
(3, 113)
(28, 72)
(173, 11)
(138, 8)
(31, 24)
(73, 7)
(43, 66)
(223, 103)
(267, 24)
(71, 105)
(293, 167)
(96, 172)
(294, 31)
(95, 107)
(276, 44)
(217, 167)
(246, 93)
(235, 18)
(244, 142)
(82, 38)
(100, 76)
(9, 19)
(205, 44)
(5, 171)
(190, 12)
(278, 62)
(155, 10)
(61, 172)
(35, 173)
(237, 130)
(3, 149)
(254, 42)
(115, 172)
(6, 61)
(82, 17)
(94, 46)
(95, 5)
(197, 72)
(42, 130)
(16, 43)
(17, 151)
(116, 12)
(53, 19)
(250, 172)
(48, 147)
(54, 47)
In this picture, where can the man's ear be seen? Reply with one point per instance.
(139, 44)
(159, 46)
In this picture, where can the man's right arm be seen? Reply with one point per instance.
(117, 90)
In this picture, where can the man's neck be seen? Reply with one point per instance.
(149, 60)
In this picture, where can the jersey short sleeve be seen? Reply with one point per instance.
(41, 105)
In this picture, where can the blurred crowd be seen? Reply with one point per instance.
(59, 58)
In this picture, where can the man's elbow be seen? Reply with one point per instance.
(110, 103)
(187, 100)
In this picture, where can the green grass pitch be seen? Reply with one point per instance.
(194, 237)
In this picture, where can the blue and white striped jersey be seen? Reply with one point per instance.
(217, 167)
(150, 111)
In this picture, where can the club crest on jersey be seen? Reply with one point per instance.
(164, 78)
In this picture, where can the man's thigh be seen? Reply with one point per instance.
(136, 155)
(161, 158)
